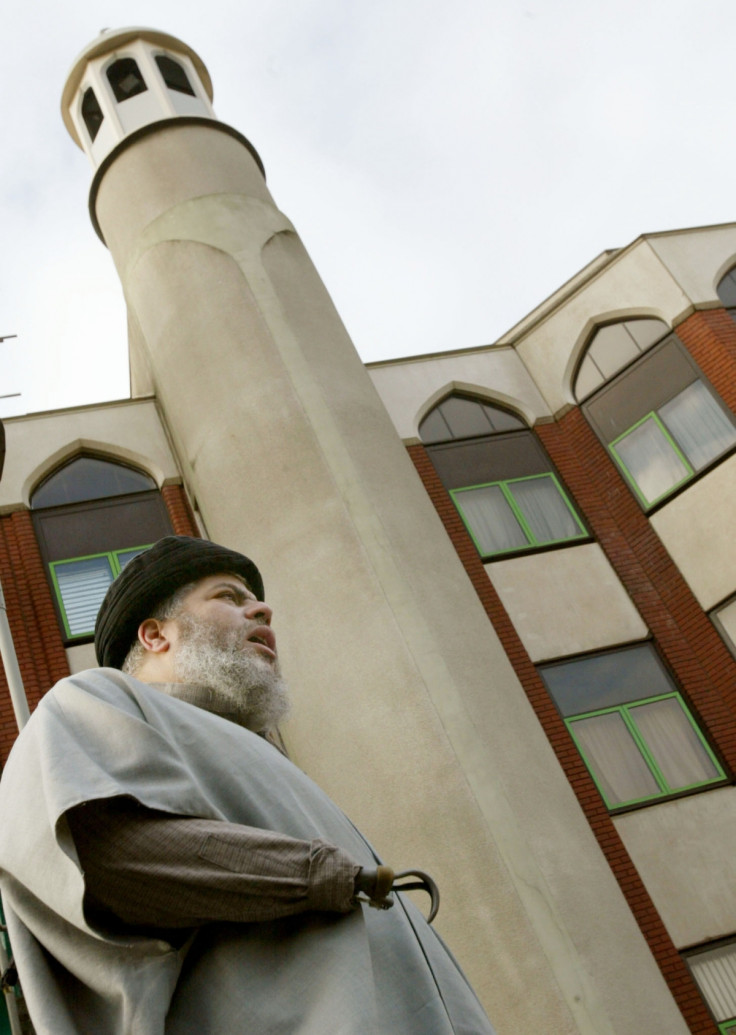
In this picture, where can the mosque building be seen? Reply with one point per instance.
(504, 577)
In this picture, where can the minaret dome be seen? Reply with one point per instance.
(127, 79)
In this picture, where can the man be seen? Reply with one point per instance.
(166, 869)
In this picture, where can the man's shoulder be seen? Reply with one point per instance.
(94, 690)
(96, 682)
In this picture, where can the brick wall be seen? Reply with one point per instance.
(580, 459)
(710, 337)
(695, 652)
(180, 513)
(32, 617)
(33, 623)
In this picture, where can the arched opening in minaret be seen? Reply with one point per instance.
(125, 79)
(173, 75)
(91, 113)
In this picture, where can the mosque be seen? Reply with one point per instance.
(504, 577)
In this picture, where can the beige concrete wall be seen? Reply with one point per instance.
(696, 530)
(566, 601)
(410, 388)
(36, 444)
(684, 851)
(407, 709)
(697, 259)
(660, 275)
(635, 283)
(81, 657)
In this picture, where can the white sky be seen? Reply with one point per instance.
(447, 165)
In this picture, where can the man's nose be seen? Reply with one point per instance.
(260, 610)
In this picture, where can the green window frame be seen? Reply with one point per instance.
(677, 455)
(727, 1026)
(80, 584)
(673, 442)
(516, 526)
(643, 743)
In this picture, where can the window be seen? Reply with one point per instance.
(459, 417)
(89, 478)
(174, 75)
(91, 516)
(631, 725)
(91, 113)
(727, 290)
(612, 347)
(499, 477)
(125, 79)
(660, 421)
(81, 584)
(517, 514)
(714, 971)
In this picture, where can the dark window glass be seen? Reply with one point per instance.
(499, 477)
(661, 422)
(612, 347)
(90, 517)
(91, 113)
(83, 529)
(727, 289)
(656, 379)
(85, 545)
(489, 459)
(174, 75)
(631, 726)
(125, 79)
(89, 478)
(460, 417)
(434, 427)
(603, 680)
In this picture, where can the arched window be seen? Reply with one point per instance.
(89, 478)
(612, 347)
(727, 291)
(651, 407)
(499, 477)
(173, 75)
(125, 79)
(91, 113)
(91, 517)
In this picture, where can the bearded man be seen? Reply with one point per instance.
(166, 870)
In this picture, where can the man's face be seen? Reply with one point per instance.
(225, 605)
(222, 639)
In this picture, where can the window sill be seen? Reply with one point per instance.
(623, 810)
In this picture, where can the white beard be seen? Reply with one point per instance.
(245, 686)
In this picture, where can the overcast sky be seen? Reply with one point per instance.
(448, 165)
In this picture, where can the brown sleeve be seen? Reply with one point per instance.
(151, 869)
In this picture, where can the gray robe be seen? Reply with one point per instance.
(101, 734)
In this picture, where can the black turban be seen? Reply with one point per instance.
(150, 578)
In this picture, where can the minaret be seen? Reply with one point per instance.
(407, 710)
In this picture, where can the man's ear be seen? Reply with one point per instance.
(152, 636)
